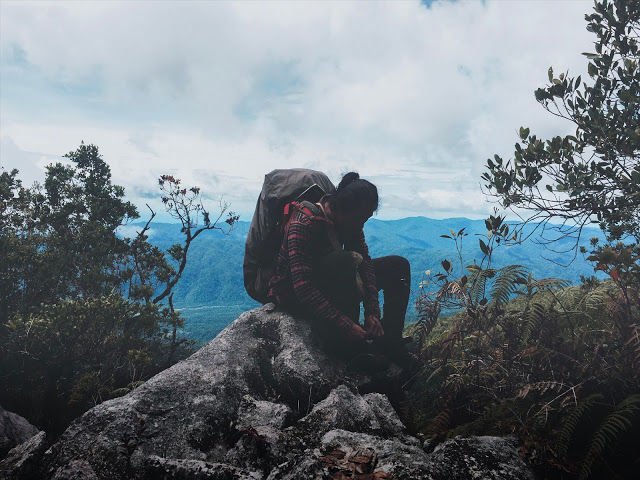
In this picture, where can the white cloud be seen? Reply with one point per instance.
(30, 164)
(414, 98)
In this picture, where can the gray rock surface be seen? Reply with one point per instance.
(24, 460)
(14, 430)
(260, 401)
(490, 458)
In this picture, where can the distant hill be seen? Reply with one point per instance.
(211, 292)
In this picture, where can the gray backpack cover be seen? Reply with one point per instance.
(265, 233)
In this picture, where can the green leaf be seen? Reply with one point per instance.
(550, 74)
(484, 247)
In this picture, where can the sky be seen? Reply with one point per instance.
(415, 96)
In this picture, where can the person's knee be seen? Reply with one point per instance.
(402, 266)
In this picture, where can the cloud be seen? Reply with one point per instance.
(416, 98)
(31, 165)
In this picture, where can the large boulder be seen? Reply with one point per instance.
(260, 401)
(14, 430)
(25, 460)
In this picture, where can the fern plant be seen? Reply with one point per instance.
(621, 420)
(554, 363)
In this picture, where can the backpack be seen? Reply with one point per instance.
(279, 190)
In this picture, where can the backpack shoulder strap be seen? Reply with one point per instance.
(309, 209)
(314, 212)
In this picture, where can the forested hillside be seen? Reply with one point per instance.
(211, 292)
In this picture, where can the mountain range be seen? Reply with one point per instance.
(211, 291)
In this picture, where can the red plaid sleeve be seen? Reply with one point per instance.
(299, 244)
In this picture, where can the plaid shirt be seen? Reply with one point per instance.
(292, 284)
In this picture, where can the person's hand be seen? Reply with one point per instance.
(373, 326)
(356, 333)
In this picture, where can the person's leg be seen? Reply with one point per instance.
(335, 275)
(393, 277)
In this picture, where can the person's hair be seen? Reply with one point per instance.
(354, 193)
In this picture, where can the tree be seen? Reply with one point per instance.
(185, 205)
(594, 174)
(556, 364)
(64, 232)
(85, 313)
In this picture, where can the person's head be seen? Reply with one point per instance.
(353, 203)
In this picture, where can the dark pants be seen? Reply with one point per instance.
(336, 277)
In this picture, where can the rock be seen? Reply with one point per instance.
(490, 458)
(75, 470)
(261, 400)
(343, 409)
(341, 451)
(180, 469)
(24, 460)
(14, 430)
(265, 418)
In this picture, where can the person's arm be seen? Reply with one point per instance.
(368, 274)
(299, 243)
(372, 323)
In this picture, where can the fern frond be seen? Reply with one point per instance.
(440, 423)
(573, 419)
(612, 427)
(633, 343)
(454, 383)
(545, 284)
(533, 320)
(595, 299)
(506, 283)
(591, 300)
(455, 289)
(540, 388)
(429, 312)
(478, 279)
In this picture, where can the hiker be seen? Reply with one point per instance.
(323, 269)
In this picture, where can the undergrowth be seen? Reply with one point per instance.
(554, 364)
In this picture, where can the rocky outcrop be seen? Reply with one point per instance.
(260, 401)
(14, 430)
(25, 460)
(489, 458)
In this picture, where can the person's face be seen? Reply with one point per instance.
(352, 222)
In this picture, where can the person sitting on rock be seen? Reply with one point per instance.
(324, 270)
